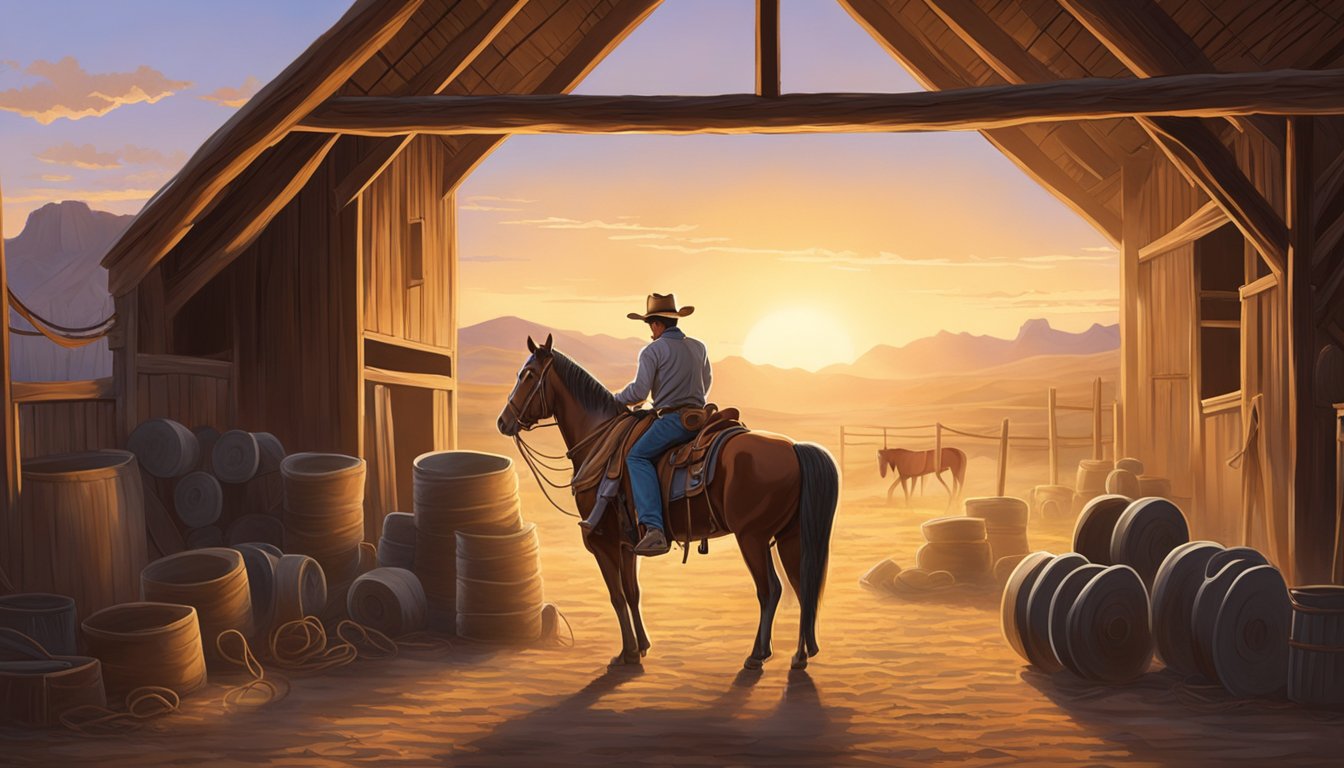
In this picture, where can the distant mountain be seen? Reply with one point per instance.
(53, 266)
(948, 352)
(493, 351)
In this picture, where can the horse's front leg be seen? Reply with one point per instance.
(630, 585)
(608, 557)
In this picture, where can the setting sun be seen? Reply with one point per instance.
(798, 338)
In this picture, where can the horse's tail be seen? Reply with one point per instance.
(818, 496)
(882, 463)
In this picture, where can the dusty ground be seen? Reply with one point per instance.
(897, 682)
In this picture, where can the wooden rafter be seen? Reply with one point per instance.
(309, 80)
(607, 33)
(767, 48)
(935, 70)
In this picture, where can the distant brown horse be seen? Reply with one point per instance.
(767, 488)
(916, 464)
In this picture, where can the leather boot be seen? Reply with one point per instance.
(654, 543)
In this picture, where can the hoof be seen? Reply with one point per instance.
(799, 662)
(624, 660)
(753, 662)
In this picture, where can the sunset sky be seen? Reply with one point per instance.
(845, 240)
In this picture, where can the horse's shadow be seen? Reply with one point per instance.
(577, 731)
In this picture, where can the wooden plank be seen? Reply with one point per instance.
(1133, 179)
(52, 391)
(1281, 92)
(408, 379)
(184, 366)
(316, 74)
(9, 433)
(767, 48)
(1301, 353)
(1209, 217)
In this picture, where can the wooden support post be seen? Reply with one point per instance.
(1338, 569)
(938, 447)
(1003, 459)
(1052, 421)
(9, 428)
(1135, 173)
(1303, 461)
(1117, 414)
(767, 48)
(884, 438)
(1096, 420)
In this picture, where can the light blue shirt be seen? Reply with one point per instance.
(674, 368)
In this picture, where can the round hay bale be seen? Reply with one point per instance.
(1204, 615)
(390, 600)
(1151, 485)
(1062, 603)
(147, 643)
(1052, 502)
(499, 557)
(260, 560)
(1004, 567)
(235, 457)
(1004, 513)
(205, 537)
(1316, 646)
(1250, 635)
(1037, 616)
(503, 628)
(881, 576)
(1147, 531)
(1091, 481)
(1096, 525)
(392, 554)
(51, 620)
(255, 527)
(1107, 631)
(1131, 465)
(399, 527)
(300, 589)
(918, 580)
(324, 510)
(213, 581)
(1013, 606)
(164, 448)
(1173, 602)
(967, 560)
(498, 575)
(953, 529)
(1233, 555)
(198, 499)
(1123, 482)
(498, 596)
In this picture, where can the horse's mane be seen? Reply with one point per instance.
(586, 389)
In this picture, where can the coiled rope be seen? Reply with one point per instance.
(142, 704)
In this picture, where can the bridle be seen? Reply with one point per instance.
(538, 388)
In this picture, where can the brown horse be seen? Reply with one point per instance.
(917, 464)
(767, 490)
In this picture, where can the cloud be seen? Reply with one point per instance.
(234, 97)
(55, 177)
(558, 222)
(1060, 257)
(489, 208)
(45, 195)
(88, 157)
(1101, 249)
(1062, 301)
(489, 258)
(498, 199)
(644, 236)
(67, 90)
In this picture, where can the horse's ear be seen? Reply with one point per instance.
(531, 345)
(549, 342)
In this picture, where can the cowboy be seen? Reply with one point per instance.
(674, 368)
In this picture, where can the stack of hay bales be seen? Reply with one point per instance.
(957, 545)
(1091, 482)
(1005, 525)
(324, 519)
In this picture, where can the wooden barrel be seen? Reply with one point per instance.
(390, 600)
(260, 562)
(1316, 647)
(1173, 603)
(1107, 629)
(164, 448)
(1036, 632)
(1250, 635)
(1005, 524)
(953, 529)
(324, 509)
(396, 548)
(300, 589)
(1146, 532)
(1052, 502)
(457, 491)
(198, 499)
(205, 537)
(51, 620)
(1091, 481)
(1123, 482)
(37, 687)
(147, 644)
(1095, 528)
(1066, 595)
(1131, 465)
(213, 581)
(966, 560)
(499, 586)
(1152, 485)
(1013, 605)
(82, 519)
(256, 528)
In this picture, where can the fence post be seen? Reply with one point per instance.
(1117, 428)
(1096, 420)
(1052, 421)
(884, 438)
(1003, 459)
(9, 432)
(938, 446)
(842, 450)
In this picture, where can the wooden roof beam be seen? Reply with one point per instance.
(308, 81)
(767, 48)
(1282, 92)
(451, 62)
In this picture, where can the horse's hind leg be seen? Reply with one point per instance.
(891, 490)
(630, 584)
(756, 553)
(790, 547)
(950, 496)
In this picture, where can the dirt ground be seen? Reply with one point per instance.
(898, 682)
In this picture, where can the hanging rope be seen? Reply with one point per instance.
(70, 337)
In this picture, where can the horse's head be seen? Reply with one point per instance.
(529, 402)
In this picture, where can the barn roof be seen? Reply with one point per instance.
(248, 170)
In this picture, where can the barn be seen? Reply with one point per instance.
(298, 275)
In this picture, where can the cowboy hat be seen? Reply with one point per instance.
(661, 305)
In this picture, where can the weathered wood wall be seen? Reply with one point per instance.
(66, 426)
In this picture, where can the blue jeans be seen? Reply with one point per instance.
(665, 433)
